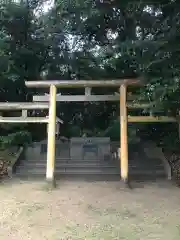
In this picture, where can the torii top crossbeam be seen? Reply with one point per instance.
(82, 83)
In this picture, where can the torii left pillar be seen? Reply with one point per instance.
(124, 135)
(51, 137)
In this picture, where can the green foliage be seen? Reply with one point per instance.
(14, 135)
(74, 131)
(113, 131)
(109, 40)
(15, 139)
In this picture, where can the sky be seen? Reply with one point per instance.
(48, 5)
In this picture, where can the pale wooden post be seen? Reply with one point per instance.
(57, 128)
(24, 113)
(51, 136)
(123, 134)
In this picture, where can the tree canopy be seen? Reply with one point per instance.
(87, 39)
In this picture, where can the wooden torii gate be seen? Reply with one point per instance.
(124, 118)
(87, 97)
(51, 119)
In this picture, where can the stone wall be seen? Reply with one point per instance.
(89, 148)
(78, 148)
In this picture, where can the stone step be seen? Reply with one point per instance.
(88, 171)
(64, 160)
(86, 164)
(109, 177)
(41, 163)
(67, 165)
(92, 177)
(109, 171)
(136, 161)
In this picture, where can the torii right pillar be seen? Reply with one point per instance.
(124, 134)
(51, 137)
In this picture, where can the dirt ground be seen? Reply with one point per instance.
(89, 210)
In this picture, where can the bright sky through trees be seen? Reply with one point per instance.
(48, 5)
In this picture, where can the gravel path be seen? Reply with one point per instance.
(89, 210)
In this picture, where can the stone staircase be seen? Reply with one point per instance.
(142, 166)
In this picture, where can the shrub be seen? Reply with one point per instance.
(20, 138)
